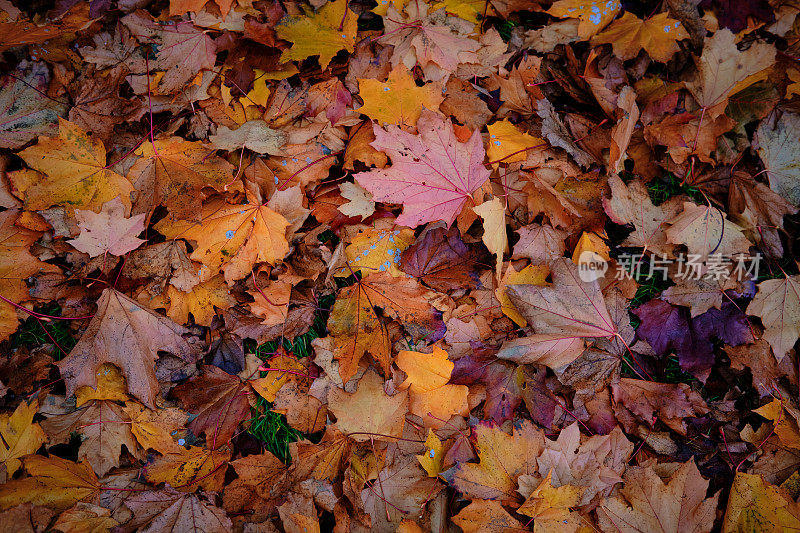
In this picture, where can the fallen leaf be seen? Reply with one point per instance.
(168, 508)
(431, 397)
(777, 302)
(322, 34)
(182, 49)
(656, 35)
(53, 482)
(190, 469)
(432, 174)
(593, 15)
(75, 172)
(172, 172)
(27, 111)
(20, 436)
(232, 237)
(254, 135)
(398, 101)
(777, 144)
(724, 70)
(369, 413)
(649, 504)
(219, 402)
(502, 459)
(120, 328)
(755, 504)
(108, 231)
(486, 515)
(570, 305)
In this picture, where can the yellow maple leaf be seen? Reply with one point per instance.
(376, 250)
(74, 172)
(657, 35)
(507, 143)
(110, 386)
(20, 436)
(432, 397)
(594, 15)
(755, 505)
(398, 101)
(190, 469)
(285, 368)
(232, 237)
(530, 275)
(551, 503)
(322, 34)
(431, 460)
(200, 301)
(493, 213)
(54, 482)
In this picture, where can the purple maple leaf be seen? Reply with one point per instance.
(668, 327)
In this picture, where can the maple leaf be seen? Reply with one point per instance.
(777, 147)
(190, 469)
(431, 397)
(486, 515)
(503, 458)
(493, 213)
(429, 37)
(358, 328)
(16, 265)
(657, 35)
(20, 436)
(440, 260)
(570, 305)
(431, 459)
(648, 504)
(369, 413)
(398, 101)
(530, 275)
(219, 401)
(672, 402)
(503, 383)
(755, 504)
(666, 328)
(53, 482)
(27, 111)
(705, 231)
(594, 15)
(631, 204)
(262, 478)
(200, 301)
(777, 302)
(105, 429)
(724, 70)
(508, 144)
(322, 34)
(75, 172)
(172, 172)
(108, 231)
(232, 238)
(595, 465)
(182, 50)
(85, 517)
(549, 506)
(129, 336)
(405, 485)
(176, 510)
(374, 250)
(432, 174)
(254, 135)
(760, 210)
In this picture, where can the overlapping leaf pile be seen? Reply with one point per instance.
(372, 224)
